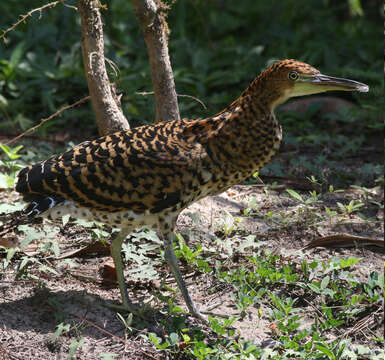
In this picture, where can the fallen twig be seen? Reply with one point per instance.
(344, 240)
(365, 323)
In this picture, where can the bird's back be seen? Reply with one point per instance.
(147, 169)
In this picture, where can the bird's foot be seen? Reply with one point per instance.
(125, 308)
(211, 313)
(200, 316)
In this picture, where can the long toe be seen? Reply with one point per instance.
(198, 315)
(212, 313)
(124, 308)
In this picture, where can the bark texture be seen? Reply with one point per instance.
(105, 103)
(151, 16)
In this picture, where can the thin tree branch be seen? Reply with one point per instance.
(151, 16)
(29, 14)
(48, 118)
(105, 102)
(144, 93)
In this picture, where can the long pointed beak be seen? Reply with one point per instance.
(333, 83)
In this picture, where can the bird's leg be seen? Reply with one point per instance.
(116, 249)
(173, 263)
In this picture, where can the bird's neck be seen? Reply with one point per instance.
(252, 114)
(244, 136)
(260, 96)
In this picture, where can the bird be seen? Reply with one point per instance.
(146, 176)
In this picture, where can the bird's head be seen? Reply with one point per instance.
(290, 78)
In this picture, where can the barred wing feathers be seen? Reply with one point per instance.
(148, 168)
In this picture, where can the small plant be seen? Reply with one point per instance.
(60, 330)
(126, 321)
(313, 180)
(10, 165)
(333, 190)
(330, 212)
(191, 256)
(252, 207)
(74, 347)
(230, 223)
(314, 197)
(352, 207)
(223, 326)
(171, 341)
(136, 251)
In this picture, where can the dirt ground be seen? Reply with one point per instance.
(31, 309)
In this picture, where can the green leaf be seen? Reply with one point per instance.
(250, 349)
(30, 234)
(325, 350)
(16, 55)
(11, 252)
(45, 268)
(314, 287)
(341, 206)
(294, 194)
(348, 262)
(11, 152)
(174, 338)
(24, 262)
(60, 328)
(74, 346)
(3, 101)
(177, 309)
(325, 282)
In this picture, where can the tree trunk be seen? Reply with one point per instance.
(151, 18)
(105, 102)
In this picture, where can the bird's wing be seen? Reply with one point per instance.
(125, 170)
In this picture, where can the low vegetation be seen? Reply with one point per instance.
(287, 303)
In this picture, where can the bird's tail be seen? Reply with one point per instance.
(33, 210)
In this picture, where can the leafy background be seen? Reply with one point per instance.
(216, 48)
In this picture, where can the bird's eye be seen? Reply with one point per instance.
(293, 75)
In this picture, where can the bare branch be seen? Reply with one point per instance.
(194, 98)
(105, 102)
(151, 16)
(144, 93)
(81, 101)
(29, 14)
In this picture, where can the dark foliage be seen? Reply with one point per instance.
(216, 47)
